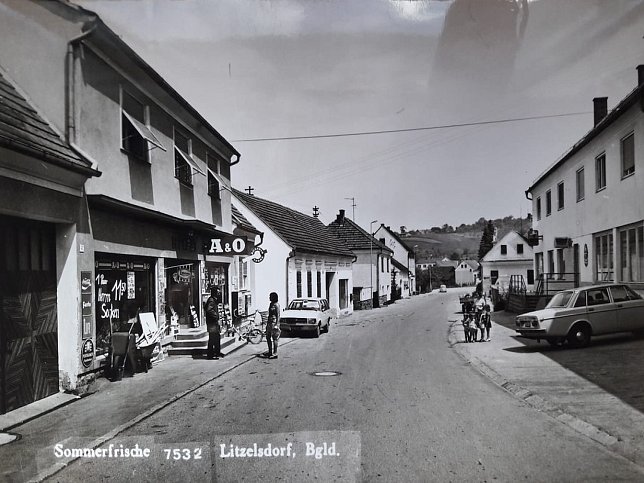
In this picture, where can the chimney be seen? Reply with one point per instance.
(340, 218)
(600, 105)
(640, 75)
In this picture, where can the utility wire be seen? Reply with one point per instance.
(411, 129)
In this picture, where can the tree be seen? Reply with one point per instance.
(486, 239)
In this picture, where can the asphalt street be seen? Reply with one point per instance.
(381, 397)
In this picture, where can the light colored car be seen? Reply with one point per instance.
(576, 315)
(307, 314)
(442, 288)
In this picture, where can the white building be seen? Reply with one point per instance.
(372, 268)
(589, 205)
(466, 272)
(303, 258)
(404, 260)
(511, 256)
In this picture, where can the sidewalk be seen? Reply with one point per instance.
(110, 409)
(534, 373)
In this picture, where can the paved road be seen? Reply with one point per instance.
(405, 407)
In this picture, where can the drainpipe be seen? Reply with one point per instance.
(290, 255)
(70, 92)
(527, 192)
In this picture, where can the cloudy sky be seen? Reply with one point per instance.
(434, 72)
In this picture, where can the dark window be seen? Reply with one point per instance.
(598, 296)
(133, 113)
(581, 300)
(530, 276)
(628, 155)
(548, 203)
(319, 283)
(182, 170)
(299, 283)
(539, 208)
(600, 172)
(213, 187)
(520, 248)
(560, 196)
(494, 276)
(309, 284)
(581, 189)
(504, 249)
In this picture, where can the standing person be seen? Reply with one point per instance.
(273, 326)
(487, 321)
(480, 303)
(212, 324)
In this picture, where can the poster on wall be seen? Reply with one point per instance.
(86, 304)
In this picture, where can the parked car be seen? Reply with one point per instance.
(307, 314)
(576, 315)
(442, 288)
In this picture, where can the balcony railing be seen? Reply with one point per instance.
(551, 283)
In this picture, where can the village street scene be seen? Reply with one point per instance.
(292, 241)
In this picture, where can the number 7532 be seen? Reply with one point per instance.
(184, 454)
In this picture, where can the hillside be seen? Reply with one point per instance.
(463, 241)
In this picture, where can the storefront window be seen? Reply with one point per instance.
(124, 287)
(631, 254)
(604, 257)
(182, 292)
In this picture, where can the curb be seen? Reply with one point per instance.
(57, 467)
(537, 402)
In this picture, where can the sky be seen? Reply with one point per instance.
(482, 96)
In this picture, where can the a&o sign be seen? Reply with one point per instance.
(227, 245)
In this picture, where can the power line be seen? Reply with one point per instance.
(411, 129)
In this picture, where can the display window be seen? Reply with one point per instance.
(182, 293)
(124, 286)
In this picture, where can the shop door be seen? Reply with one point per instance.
(28, 313)
(344, 292)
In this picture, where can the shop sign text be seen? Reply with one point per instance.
(229, 245)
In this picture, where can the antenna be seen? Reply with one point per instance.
(353, 205)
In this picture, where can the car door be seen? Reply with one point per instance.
(602, 312)
(630, 308)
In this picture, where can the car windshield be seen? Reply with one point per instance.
(560, 300)
(304, 305)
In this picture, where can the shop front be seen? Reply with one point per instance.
(124, 287)
(182, 296)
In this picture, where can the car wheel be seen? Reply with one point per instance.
(317, 331)
(579, 336)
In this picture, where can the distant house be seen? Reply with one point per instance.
(372, 268)
(511, 256)
(303, 258)
(465, 272)
(404, 261)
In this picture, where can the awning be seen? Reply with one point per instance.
(190, 161)
(144, 131)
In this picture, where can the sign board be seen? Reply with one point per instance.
(86, 288)
(87, 352)
(229, 245)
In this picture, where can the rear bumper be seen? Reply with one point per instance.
(288, 327)
(533, 333)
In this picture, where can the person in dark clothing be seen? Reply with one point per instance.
(212, 324)
(273, 326)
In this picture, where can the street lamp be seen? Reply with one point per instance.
(371, 259)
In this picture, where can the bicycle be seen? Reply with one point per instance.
(250, 331)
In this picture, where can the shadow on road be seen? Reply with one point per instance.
(613, 362)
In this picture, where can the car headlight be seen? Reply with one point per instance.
(311, 321)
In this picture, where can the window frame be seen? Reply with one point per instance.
(548, 202)
(538, 208)
(561, 195)
(519, 248)
(580, 182)
(600, 172)
(504, 249)
(631, 170)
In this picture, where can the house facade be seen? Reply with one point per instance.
(466, 272)
(403, 275)
(588, 213)
(302, 257)
(372, 268)
(511, 258)
(148, 232)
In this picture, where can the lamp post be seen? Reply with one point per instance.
(371, 259)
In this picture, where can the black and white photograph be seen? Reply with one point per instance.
(321, 240)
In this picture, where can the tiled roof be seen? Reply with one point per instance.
(354, 237)
(23, 129)
(241, 221)
(302, 232)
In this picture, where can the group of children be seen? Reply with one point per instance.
(477, 318)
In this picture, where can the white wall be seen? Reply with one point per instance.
(620, 203)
